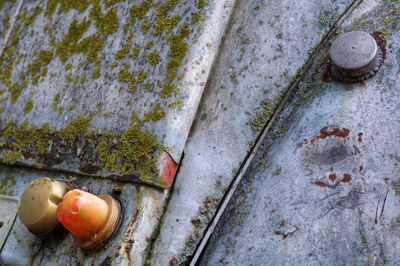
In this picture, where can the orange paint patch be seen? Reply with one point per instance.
(167, 169)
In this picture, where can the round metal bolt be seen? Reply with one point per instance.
(355, 57)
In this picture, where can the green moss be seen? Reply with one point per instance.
(80, 5)
(6, 21)
(43, 72)
(69, 44)
(141, 75)
(6, 72)
(176, 104)
(35, 79)
(51, 8)
(110, 22)
(149, 44)
(396, 188)
(28, 20)
(28, 106)
(135, 51)
(178, 49)
(96, 73)
(43, 59)
(153, 58)
(260, 120)
(130, 36)
(68, 66)
(197, 17)
(95, 46)
(277, 171)
(78, 126)
(163, 23)
(8, 51)
(14, 38)
(109, 3)
(145, 26)
(11, 157)
(56, 101)
(6, 185)
(122, 52)
(162, 9)
(124, 75)
(155, 115)
(139, 11)
(202, 3)
(15, 90)
(99, 106)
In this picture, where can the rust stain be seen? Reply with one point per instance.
(49, 159)
(325, 133)
(89, 169)
(332, 177)
(360, 137)
(381, 42)
(360, 169)
(320, 183)
(362, 85)
(327, 77)
(346, 178)
(127, 249)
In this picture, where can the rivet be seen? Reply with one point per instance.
(355, 56)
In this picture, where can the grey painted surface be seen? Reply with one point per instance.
(142, 208)
(287, 210)
(267, 44)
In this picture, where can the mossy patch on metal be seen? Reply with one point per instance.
(94, 83)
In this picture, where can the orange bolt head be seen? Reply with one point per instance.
(82, 213)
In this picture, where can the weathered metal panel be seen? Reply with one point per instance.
(104, 88)
(266, 45)
(8, 210)
(326, 191)
(142, 207)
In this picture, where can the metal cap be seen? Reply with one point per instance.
(355, 56)
(39, 204)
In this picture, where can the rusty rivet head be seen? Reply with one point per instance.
(355, 56)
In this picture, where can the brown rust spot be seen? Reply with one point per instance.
(362, 85)
(360, 137)
(320, 183)
(337, 132)
(346, 178)
(332, 177)
(127, 249)
(325, 132)
(381, 42)
(327, 76)
(27, 155)
(49, 159)
(360, 169)
(89, 169)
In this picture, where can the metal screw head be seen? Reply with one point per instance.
(354, 54)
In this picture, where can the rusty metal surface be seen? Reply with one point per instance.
(326, 190)
(124, 78)
(142, 208)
